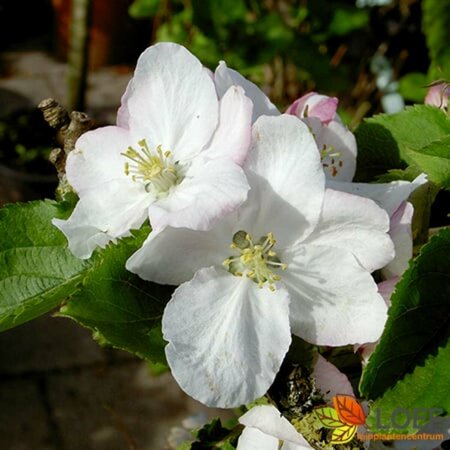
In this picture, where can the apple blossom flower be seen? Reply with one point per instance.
(438, 94)
(300, 261)
(336, 143)
(266, 429)
(174, 156)
(337, 147)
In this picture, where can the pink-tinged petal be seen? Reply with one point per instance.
(268, 420)
(334, 301)
(293, 179)
(97, 158)
(401, 235)
(175, 254)
(233, 135)
(387, 195)
(100, 215)
(171, 101)
(437, 95)
(225, 78)
(252, 438)
(386, 289)
(211, 189)
(337, 146)
(330, 380)
(123, 113)
(315, 105)
(357, 225)
(227, 337)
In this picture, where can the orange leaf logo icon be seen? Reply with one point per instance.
(349, 410)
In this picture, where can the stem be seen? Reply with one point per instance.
(78, 53)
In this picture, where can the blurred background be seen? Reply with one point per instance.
(59, 389)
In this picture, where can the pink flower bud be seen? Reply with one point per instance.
(437, 95)
(315, 105)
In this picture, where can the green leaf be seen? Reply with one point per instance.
(140, 9)
(434, 160)
(413, 86)
(436, 27)
(122, 310)
(426, 388)
(418, 320)
(384, 141)
(347, 20)
(37, 271)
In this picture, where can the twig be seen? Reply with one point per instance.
(69, 128)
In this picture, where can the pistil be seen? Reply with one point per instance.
(155, 169)
(255, 261)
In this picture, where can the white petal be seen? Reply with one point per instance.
(83, 239)
(225, 78)
(355, 224)
(387, 195)
(268, 419)
(330, 380)
(211, 189)
(296, 178)
(338, 146)
(227, 337)
(108, 212)
(97, 158)
(171, 101)
(401, 235)
(252, 438)
(175, 254)
(233, 135)
(334, 301)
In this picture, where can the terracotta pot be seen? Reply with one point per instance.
(111, 35)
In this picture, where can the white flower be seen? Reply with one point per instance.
(292, 266)
(174, 156)
(265, 427)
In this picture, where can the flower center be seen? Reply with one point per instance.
(255, 260)
(155, 169)
(333, 162)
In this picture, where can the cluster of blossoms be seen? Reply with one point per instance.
(254, 216)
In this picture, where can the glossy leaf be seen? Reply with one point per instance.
(434, 160)
(418, 320)
(122, 310)
(416, 399)
(37, 271)
(386, 140)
